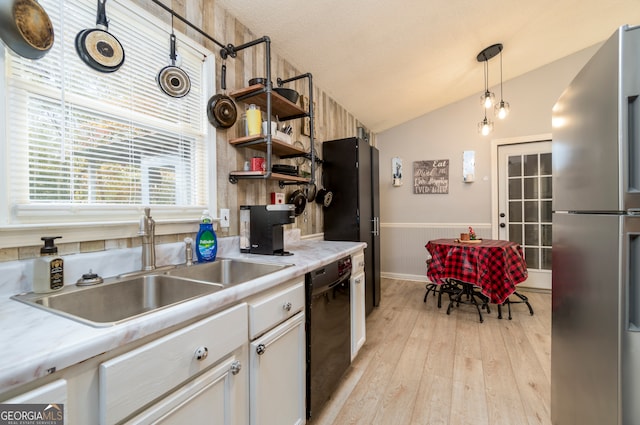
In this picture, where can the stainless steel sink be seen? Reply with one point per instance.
(113, 302)
(226, 271)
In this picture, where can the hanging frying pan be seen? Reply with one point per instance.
(25, 28)
(172, 79)
(299, 201)
(324, 197)
(97, 47)
(221, 109)
(311, 192)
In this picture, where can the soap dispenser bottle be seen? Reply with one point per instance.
(48, 273)
(206, 241)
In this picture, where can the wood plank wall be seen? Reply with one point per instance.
(332, 120)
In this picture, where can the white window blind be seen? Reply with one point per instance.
(81, 141)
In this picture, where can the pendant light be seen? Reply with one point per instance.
(485, 126)
(488, 98)
(502, 108)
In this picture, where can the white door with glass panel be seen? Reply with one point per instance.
(524, 205)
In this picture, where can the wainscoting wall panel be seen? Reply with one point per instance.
(403, 253)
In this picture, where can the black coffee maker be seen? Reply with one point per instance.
(261, 228)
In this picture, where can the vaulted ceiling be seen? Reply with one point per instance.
(389, 61)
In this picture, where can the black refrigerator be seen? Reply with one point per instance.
(350, 170)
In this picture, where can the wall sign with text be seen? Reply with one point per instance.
(430, 177)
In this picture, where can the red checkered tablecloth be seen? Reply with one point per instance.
(493, 265)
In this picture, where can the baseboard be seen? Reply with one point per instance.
(400, 276)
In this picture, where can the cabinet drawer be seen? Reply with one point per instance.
(357, 262)
(266, 312)
(132, 380)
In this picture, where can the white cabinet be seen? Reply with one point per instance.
(277, 378)
(214, 398)
(277, 358)
(358, 314)
(54, 394)
(160, 373)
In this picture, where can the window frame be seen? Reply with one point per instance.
(25, 225)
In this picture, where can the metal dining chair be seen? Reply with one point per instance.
(446, 287)
(468, 293)
(508, 302)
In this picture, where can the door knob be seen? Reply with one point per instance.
(260, 349)
(502, 215)
(503, 225)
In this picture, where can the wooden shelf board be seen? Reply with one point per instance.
(278, 147)
(274, 176)
(280, 106)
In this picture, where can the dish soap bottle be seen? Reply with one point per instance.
(48, 273)
(206, 241)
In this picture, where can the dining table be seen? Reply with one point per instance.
(495, 266)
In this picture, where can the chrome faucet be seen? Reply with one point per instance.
(148, 234)
(188, 251)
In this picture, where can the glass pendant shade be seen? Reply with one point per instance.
(488, 99)
(485, 127)
(502, 109)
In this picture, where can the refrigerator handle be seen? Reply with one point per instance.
(376, 226)
(633, 143)
(633, 281)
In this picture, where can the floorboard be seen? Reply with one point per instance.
(422, 366)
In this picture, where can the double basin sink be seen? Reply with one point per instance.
(124, 298)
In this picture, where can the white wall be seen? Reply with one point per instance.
(445, 134)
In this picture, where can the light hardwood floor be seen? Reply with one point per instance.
(420, 366)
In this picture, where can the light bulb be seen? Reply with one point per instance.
(487, 99)
(485, 127)
(502, 109)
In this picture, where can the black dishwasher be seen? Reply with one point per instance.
(328, 326)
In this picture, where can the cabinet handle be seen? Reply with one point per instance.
(358, 281)
(235, 367)
(260, 349)
(287, 306)
(202, 353)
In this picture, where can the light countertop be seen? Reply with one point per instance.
(35, 343)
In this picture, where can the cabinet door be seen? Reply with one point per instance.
(358, 323)
(218, 397)
(54, 395)
(134, 379)
(278, 375)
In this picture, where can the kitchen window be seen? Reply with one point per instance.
(85, 146)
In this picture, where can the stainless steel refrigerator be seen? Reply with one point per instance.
(350, 170)
(595, 350)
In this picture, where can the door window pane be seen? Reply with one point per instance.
(531, 165)
(545, 234)
(545, 211)
(531, 235)
(531, 188)
(515, 211)
(532, 258)
(515, 188)
(545, 260)
(515, 233)
(545, 164)
(515, 166)
(545, 187)
(531, 211)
